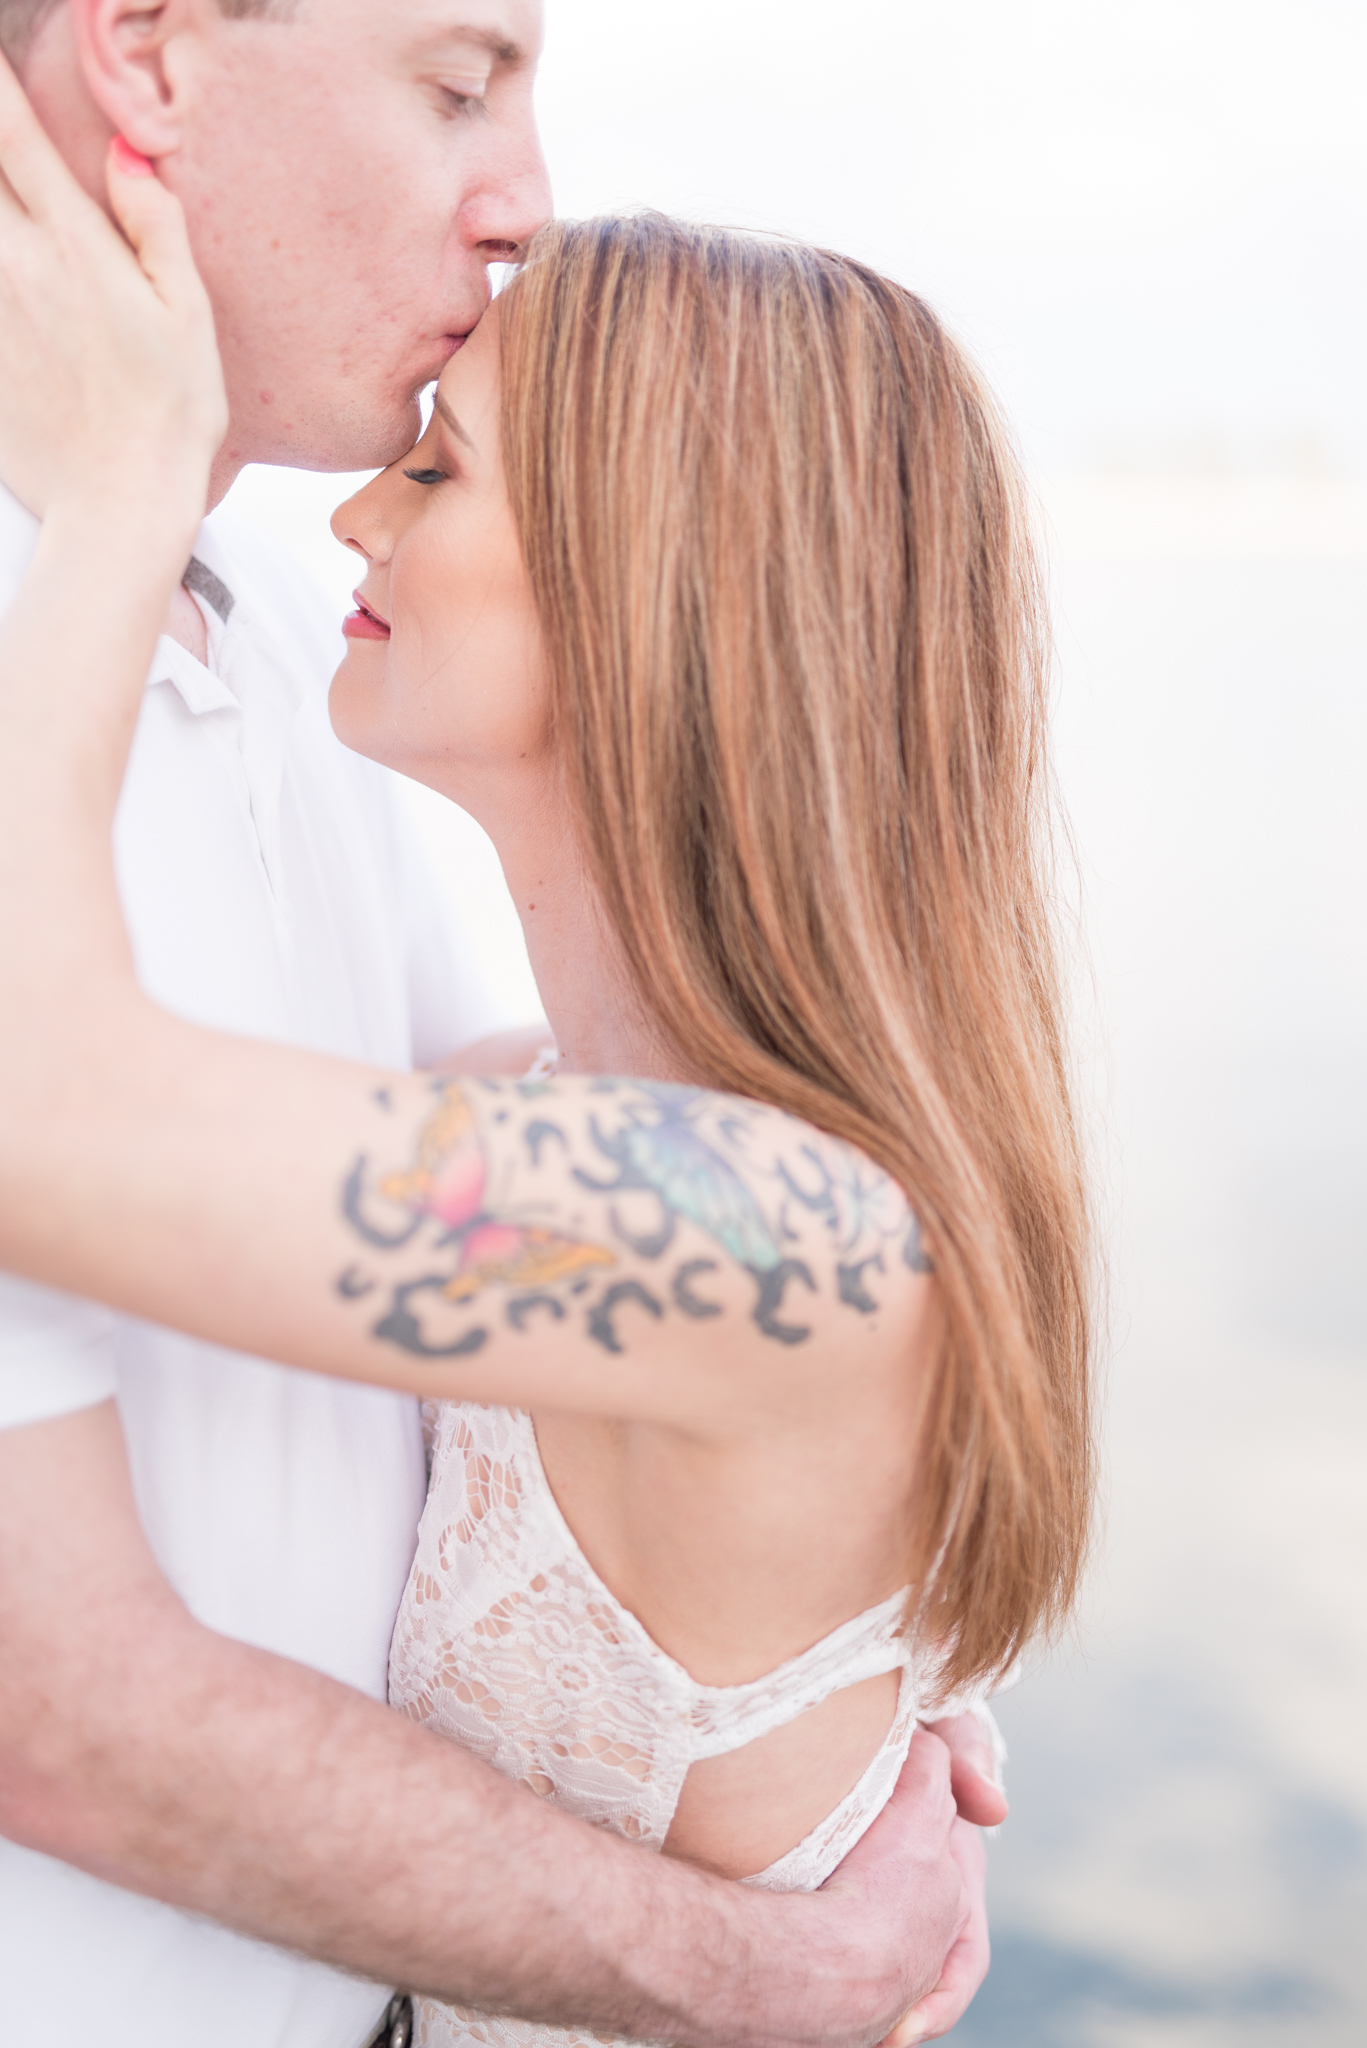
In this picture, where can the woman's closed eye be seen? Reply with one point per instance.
(426, 476)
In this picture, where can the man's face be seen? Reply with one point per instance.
(348, 173)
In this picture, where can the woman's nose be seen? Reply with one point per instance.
(363, 522)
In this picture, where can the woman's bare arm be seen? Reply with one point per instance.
(615, 1247)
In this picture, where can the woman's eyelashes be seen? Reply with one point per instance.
(426, 476)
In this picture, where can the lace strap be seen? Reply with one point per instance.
(725, 1717)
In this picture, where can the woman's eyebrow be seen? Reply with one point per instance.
(440, 407)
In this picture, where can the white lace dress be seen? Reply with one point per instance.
(509, 1642)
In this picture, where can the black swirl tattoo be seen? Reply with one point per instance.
(601, 1325)
(519, 1310)
(772, 1286)
(353, 1193)
(402, 1327)
(850, 1279)
(684, 1298)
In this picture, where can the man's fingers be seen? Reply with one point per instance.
(907, 1881)
(908, 2031)
(967, 1741)
(966, 1964)
(36, 175)
(972, 1770)
(915, 1825)
(924, 1780)
(946, 2005)
(976, 1797)
(965, 1968)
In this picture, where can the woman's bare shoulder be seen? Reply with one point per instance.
(791, 1201)
(735, 1236)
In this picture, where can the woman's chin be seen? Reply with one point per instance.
(356, 703)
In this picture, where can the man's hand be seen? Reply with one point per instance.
(178, 1774)
(981, 1803)
(905, 1884)
(972, 1772)
(967, 1962)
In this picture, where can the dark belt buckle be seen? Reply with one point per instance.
(396, 2028)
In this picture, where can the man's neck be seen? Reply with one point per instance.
(184, 619)
(185, 625)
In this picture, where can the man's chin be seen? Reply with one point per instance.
(346, 438)
(375, 446)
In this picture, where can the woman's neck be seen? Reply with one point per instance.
(601, 1025)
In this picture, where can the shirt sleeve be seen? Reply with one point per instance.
(56, 1353)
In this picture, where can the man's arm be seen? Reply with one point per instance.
(241, 1786)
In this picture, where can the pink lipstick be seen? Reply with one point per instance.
(363, 623)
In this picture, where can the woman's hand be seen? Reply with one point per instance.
(111, 390)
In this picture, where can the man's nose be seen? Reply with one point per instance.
(501, 219)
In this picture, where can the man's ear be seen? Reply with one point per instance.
(127, 50)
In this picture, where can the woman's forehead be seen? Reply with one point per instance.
(467, 389)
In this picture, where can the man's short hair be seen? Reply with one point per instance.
(19, 18)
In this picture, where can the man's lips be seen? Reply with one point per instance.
(454, 338)
(363, 623)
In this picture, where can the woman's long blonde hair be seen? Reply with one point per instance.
(778, 543)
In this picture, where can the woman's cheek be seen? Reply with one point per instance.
(484, 695)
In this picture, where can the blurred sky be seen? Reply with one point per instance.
(1148, 219)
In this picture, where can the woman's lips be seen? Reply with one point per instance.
(363, 623)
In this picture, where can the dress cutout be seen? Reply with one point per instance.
(510, 1643)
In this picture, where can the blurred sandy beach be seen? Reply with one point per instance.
(1186, 1863)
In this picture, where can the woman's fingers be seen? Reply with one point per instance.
(34, 182)
(153, 221)
(109, 370)
(9, 201)
(36, 177)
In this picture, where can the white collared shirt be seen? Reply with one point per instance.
(271, 887)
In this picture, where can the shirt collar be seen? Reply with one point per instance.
(243, 659)
(216, 578)
(201, 688)
(198, 687)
